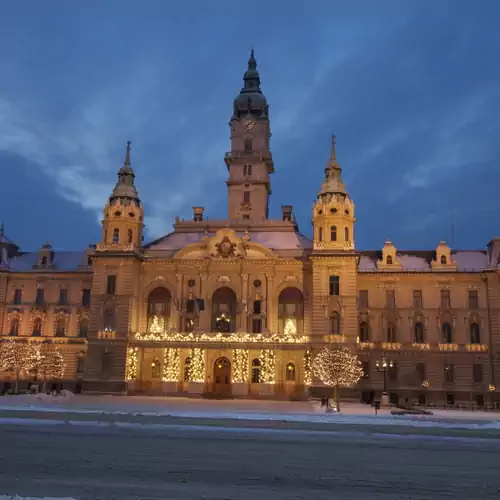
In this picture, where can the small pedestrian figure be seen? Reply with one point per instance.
(376, 405)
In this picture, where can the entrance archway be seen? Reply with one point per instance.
(222, 377)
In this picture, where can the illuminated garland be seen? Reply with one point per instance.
(268, 373)
(307, 368)
(221, 337)
(290, 330)
(171, 365)
(197, 369)
(131, 371)
(240, 365)
(337, 367)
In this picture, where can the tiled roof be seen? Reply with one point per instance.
(414, 260)
(275, 240)
(62, 261)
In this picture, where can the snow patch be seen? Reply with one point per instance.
(16, 497)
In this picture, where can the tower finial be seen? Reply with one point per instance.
(252, 62)
(333, 154)
(2, 231)
(127, 153)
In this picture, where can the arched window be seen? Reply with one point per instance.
(346, 234)
(80, 362)
(248, 145)
(320, 234)
(290, 311)
(224, 310)
(419, 333)
(447, 333)
(256, 368)
(158, 310)
(335, 324)
(83, 328)
(391, 333)
(187, 370)
(44, 261)
(475, 333)
(333, 233)
(37, 327)
(116, 235)
(364, 332)
(443, 259)
(389, 259)
(130, 235)
(60, 327)
(290, 372)
(156, 368)
(14, 327)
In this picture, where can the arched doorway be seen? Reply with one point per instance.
(222, 377)
(224, 310)
(158, 310)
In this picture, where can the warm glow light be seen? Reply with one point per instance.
(131, 370)
(268, 372)
(171, 365)
(221, 337)
(240, 366)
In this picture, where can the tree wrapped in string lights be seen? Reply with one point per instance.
(19, 358)
(337, 368)
(51, 365)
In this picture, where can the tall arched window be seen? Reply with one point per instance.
(447, 333)
(130, 235)
(475, 333)
(389, 259)
(116, 235)
(158, 310)
(290, 311)
(224, 310)
(364, 332)
(333, 233)
(335, 324)
(37, 327)
(320, 234)
(391, 333)
(256, 369)
(419, 333)
(290, 372)
(443, 259)
(187, 370)
(156, 368)
(83, 328)
(106, 363)
(248, 145)
(14, 327)
(346, 234)
(43, 262)
(61, 327)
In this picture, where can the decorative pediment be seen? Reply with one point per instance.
(38, 312)
(225, 245)
(389, 261)
(443, 260)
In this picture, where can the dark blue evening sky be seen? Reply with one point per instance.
(410, 88)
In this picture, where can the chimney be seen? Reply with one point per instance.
(198, 214)
(286, 212)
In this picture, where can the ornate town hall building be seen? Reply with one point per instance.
(238, 307)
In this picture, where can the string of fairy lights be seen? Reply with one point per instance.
(171, 365)
(240, 366)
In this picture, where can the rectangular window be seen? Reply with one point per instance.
(63, 297)
(363, 299)
(246, 196)
(449, 375)
(257, 306)
(247, 170)
(477, 373)
(334, 285)
(18, 296)
(111, 286)
(85, 297)
(390, 299)
(445, 299)
(421, 372)
(40, 296)
(473, 299)
(256, 325)
(366, 369)
(417, 299)
(190, 306)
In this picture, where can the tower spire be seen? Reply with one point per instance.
(2, 230)
(125, 187)
(333, 183)
(127, 154)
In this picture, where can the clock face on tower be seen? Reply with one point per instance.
(249, 124)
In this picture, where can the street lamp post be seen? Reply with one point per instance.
(383, 366)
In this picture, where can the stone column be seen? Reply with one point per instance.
(177, 323)
(244, 303)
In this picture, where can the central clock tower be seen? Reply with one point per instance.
(250, 161)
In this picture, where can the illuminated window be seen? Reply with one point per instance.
(290, 372)
(256, 370)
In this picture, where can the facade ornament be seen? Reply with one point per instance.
(226, 248)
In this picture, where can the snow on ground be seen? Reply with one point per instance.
(303, 411)
(8, 497)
